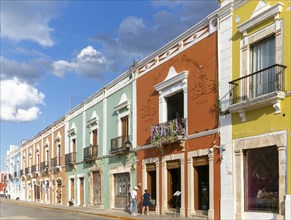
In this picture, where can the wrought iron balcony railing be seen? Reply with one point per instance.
(168, 132)
(90, 152)
(35, 169)
(56, 161)
(70, 158)
(27, 170)
(257, 84)
(118, 145)
(22, 172)
(44, 166)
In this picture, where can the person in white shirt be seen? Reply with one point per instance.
(133, 195)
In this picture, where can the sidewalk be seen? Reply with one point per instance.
(112, 213)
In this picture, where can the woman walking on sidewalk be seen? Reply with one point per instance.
(146, 202)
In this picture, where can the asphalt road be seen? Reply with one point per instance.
(13, 211)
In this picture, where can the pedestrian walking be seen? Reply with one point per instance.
(146, 202)
(133, 195)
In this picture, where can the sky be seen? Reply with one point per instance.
(55, 54)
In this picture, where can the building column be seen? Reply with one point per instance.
(182, 209)
(190, 208)
(282, 179)
(211, 186)
(90, 189)
(144, 176)
(239, 184)
(164, 188)
(158, 211)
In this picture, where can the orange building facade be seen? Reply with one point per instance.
(177, 125)
(43, 166)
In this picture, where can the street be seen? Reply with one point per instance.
(11, 210)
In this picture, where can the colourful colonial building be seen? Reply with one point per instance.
(43, 170)
(177, 116)
(13, 165)
(100, 166)
(260, 105)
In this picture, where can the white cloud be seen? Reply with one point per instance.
(131, 25)
(136, 37)
(28, 71)
(89, 62)
(27, 20)
(19, 101)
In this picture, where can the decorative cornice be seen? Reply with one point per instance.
(171, 79)
(262, 15)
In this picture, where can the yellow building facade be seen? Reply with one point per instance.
(260, 105)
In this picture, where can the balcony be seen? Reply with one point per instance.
(90, 152)
(55, 162)
(44, 166)
(168, 132)
(70, 158)
(257, 90)
(16, 174)
(22, 172)
(35, 169)
(118, 145)
(27, 171)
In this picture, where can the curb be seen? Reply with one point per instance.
(75, 211)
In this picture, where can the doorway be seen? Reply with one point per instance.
(201, 183)
(96, 188)
(81, 191)
(151, 184)
(122, 187)
(72, 189)
(174, 183)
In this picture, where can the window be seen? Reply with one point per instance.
(261, 179)
(59, 152)
(124, 130)
(74, 145)
(175, 106)
(94, 137)
(263, 56)
(173, 96)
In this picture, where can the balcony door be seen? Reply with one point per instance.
(175, 106)
(264, 56)
(124, 130)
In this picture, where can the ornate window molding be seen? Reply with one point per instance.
(93, 120)
(173, 83)
(262, 12)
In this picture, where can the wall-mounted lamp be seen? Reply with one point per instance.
(221, 150)
(128, 144)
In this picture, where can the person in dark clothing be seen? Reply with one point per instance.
(146, 202)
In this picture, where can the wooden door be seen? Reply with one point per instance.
(72, 189)
(81, 191)
(35, 192)
(94, 143)
(122, 183)
(96, 188)
(124, 130)
(74, 145)
(201, 183)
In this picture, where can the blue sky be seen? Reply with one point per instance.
(54, 54)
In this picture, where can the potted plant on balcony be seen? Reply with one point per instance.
(169, 132)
